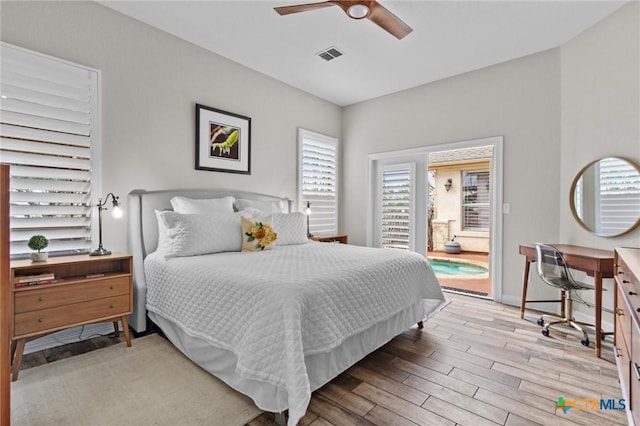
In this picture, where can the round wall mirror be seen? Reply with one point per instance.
(605, 196)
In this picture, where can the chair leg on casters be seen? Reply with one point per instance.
(567, 320)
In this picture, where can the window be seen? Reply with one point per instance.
(318, 180)
(476, 192)
(397, 206)
(48, 122)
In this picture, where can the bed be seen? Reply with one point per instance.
(273, 324)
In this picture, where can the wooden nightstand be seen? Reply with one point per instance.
(86, 289)
(337, 238)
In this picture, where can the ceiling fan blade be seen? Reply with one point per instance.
(287, 10)
(388, 21)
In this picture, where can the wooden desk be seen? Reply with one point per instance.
(596, 263)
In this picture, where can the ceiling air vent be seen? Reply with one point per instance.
(329, 53)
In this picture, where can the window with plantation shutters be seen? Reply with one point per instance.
(397, 206)
(476, 207)
(318, 180)
(48, 122)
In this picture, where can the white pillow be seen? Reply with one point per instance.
(291, 228)
(196, 234)
(163, 240)
(266, 206)
(202, 206)
(251, 213)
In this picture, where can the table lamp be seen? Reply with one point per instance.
(116, 212)
(309, 234)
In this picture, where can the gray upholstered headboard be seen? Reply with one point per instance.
(143, 233)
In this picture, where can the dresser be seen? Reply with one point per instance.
(74, 290)
(627, 327)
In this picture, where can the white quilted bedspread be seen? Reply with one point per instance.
(272, 308)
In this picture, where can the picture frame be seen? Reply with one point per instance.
(223, 141)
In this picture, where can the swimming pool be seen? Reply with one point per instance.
(453, 268)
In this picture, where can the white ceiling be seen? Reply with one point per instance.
(449, 38)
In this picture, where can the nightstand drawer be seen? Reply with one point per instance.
(64, 316)
(42, 298)
(337, 238)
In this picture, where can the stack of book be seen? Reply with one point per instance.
(37, 279)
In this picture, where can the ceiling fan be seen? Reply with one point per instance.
(369, 9)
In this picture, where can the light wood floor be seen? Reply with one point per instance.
(475, 363)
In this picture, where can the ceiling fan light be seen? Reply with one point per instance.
(358, 11)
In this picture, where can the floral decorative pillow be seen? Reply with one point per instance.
(257, 234)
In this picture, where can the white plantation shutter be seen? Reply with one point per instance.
(619, 198)
(48, 121)
(397, 206)
(318, 180)
(579, 198)
(476, 198)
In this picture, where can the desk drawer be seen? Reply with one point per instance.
(42, 298)
(68, 315)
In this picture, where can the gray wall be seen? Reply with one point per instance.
(519, 100)
(600, 109)
(600, 116)
(151, 81)
(557, 111)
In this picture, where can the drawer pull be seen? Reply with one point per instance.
(625, 281)
(632, 293)
(638, 310)
(40, 299)
(40, 320)
(620, 272)
(110, 287)
(636, 369)
(616, 352)
(110, 306)
(619, 311)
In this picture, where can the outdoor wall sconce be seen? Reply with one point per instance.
(447, 184)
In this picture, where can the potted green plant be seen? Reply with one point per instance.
(38, 243)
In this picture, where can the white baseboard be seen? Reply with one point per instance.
(70, 335)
